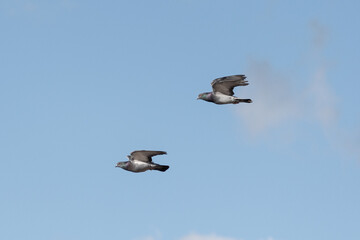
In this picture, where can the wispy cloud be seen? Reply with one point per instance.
(268, 238)
(323, 98)
(147, 238)
(275, 101)
(195, 236)
(280, 100)
(156, 236)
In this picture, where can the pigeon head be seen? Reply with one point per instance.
(205, 96)
(121, 164)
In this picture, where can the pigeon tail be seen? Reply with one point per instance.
(238, 100)
(161, 168)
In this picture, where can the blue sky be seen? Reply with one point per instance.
(84, 83)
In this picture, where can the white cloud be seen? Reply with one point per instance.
(195, 236)
(275, 101)
(279, 100)
(147, 238)
(268, 238)
(156, 236)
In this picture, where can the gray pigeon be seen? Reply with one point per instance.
(140, 161)
(223, 90)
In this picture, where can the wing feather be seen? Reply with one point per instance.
(226, 85)
(145, 155)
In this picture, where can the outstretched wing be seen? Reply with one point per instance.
(226, 85)
(144, 155)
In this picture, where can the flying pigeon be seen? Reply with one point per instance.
(140, 161)
(223, 90)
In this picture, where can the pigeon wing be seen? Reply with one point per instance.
(226, 85)
(144, 155)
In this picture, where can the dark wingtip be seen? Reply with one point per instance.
(162, 168)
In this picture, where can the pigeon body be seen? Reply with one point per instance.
(141, 161)
(223, 90)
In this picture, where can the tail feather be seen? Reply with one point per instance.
(238, 100)
(161, 168)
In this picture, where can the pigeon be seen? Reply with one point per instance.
(223, 90)
(140, 161)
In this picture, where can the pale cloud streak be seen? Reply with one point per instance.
(275, 100)
(278, 100)
(195, 236)
(147, 238)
